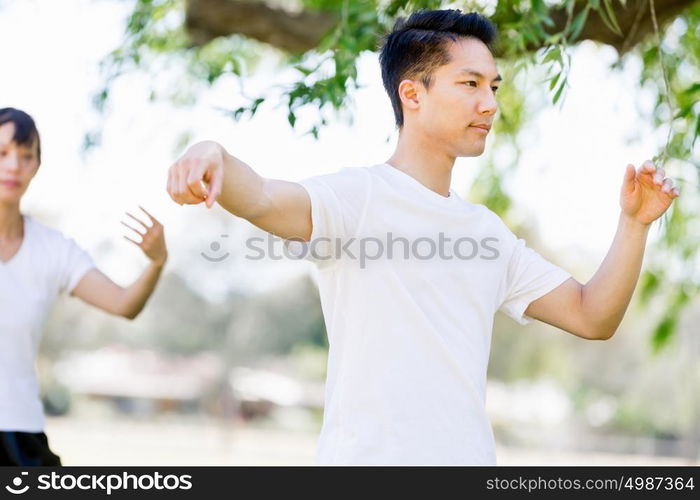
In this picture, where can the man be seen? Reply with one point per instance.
(410, 334)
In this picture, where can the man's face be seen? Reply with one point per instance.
(461, 96)
(18, 164)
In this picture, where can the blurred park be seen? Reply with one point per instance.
(227, 363)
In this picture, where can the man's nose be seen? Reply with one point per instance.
(488, 104)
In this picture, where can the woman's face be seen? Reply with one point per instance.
(18, 165)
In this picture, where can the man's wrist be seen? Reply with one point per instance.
(632, 223)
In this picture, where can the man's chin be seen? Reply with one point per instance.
(471, 152)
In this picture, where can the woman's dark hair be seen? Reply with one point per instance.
(418, 45)
(26, 133)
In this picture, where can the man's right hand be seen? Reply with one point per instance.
(198, 175)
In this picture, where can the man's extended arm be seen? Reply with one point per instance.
(595, 310)
(207, 173)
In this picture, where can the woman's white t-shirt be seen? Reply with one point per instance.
(410, 329)
(45, 265)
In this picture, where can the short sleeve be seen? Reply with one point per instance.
(338, 204)
(529, 276)
(74, 264)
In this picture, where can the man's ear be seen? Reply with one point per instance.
(409, 94)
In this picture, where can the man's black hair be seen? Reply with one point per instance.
(26, 133)
(418, 45)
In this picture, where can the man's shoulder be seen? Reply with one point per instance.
(351, 177)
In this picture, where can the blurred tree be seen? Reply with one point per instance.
(323, 39)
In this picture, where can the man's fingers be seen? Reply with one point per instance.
(189, 180)
(659, 176)
(628, 183)
(175, 190)
(194, 184)
(214, 188)
(171, 182)
(185, 194)
(667, 186)
(648, 167)
(175, 186)
(182, 188)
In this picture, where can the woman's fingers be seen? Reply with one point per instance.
(133, 229)
(154, 221)
(143, 224)
(134, 242)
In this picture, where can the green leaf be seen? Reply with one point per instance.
(697, 130)
(554, 81)
(612, 26)
(650, 283)
(611, 13)
(664, 332)
(553, 39)
(578, 23)
(553, 55)
(256, 103)
(692, 89)
(539, 7)
(291, 118)
(680, 299)
(684, 111)
(559, 91)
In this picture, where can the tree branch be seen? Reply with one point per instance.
(293, 32)
(297, 32)
(596, 30)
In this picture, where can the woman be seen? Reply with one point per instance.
(36, 264)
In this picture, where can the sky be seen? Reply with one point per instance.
(567, 183)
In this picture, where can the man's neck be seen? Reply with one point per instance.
(417, 157)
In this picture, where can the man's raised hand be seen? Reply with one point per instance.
(646, 194)
(198, 175)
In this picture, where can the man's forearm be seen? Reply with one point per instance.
(607, 294)
(242, 192)
(136, 295)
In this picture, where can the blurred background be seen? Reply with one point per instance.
(227, 363)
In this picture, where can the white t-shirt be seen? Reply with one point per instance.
(410, 331)
(46, 264)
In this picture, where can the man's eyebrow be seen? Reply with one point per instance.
(475, 73)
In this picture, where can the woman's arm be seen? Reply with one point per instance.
(98, 290)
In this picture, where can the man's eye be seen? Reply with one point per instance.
(495, 89)
(470, 83)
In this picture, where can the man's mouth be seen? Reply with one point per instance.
(482, 126)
